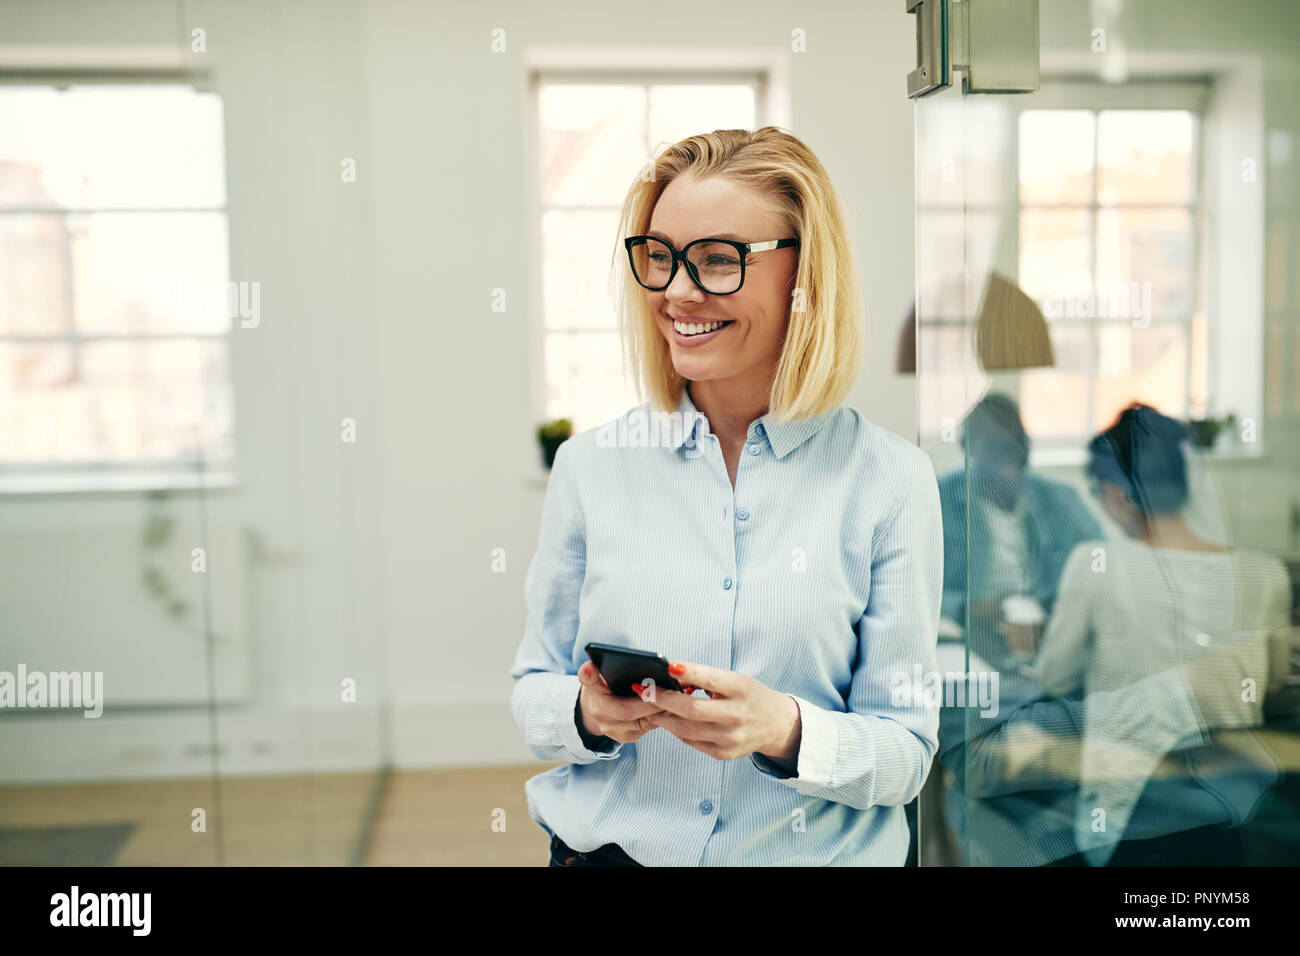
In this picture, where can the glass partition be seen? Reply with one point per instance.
(186, 446)
(1106, 360)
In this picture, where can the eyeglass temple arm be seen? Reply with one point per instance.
(770, 244)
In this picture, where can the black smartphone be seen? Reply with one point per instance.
(624, 666)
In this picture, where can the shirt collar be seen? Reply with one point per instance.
(783, 437)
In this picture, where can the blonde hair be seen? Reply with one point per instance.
(822, 353)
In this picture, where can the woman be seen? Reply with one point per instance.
(1147, 604)
(783, 552)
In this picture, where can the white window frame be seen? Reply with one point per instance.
(766, 71)
(92, 475)
(1094, 97)
(1228, 260)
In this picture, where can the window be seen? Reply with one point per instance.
(1107, 248)
(1093, 200)
(595, 136)
(115, 307)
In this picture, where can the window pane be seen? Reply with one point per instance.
(1198, 388)
(1054, 401)
(593, 146)
(114, 273)
(1144, 156)
(1144, 259)
(1056, 259)
(35, 275)
(584, 378)
(114, 401)
(94, 147)
(592, 142)
(1056, 156)
(678, 111)
(1146, 365)
(577, 246)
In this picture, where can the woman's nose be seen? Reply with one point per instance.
(683, 288)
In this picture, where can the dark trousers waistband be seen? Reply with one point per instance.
(611, 854)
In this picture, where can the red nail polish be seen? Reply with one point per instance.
(676, 669)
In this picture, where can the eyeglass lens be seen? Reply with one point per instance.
(717, 265)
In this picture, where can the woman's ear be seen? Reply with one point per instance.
(1117, 502)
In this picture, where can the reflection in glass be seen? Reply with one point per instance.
(1138, 628)
(1145, 156)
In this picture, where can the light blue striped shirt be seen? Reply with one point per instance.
(820, 575)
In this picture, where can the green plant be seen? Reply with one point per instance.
(551, 435)
(560, 428)
(158, 529)
(1205, 431)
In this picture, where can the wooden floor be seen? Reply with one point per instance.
(399, 818)
(445, 818)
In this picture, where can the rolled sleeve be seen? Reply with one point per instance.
(879, 751)
(818, 746)
(546, 687)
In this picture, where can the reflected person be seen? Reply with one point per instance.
(1137, 606)
(1010, 530)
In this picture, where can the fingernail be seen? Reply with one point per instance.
(676, 669)
(638, 689)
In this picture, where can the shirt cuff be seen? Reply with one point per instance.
(569, 734)
(818, 746)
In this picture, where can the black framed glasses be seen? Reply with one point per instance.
(716, 266)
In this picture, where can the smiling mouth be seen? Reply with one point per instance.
(690, 329)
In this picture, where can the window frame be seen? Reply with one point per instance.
(94, 475)
(1085, 100)
(768, 74)
(1194, 92)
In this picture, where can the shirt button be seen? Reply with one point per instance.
(1203, 639)
(742, 514)
(726, 583)
(706, 806)
(753, 449)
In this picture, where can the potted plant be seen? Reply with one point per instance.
(551, 435)
(1205, 431)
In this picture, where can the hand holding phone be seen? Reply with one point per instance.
(621, 667)
(605, 714)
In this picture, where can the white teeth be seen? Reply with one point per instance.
(690, 328)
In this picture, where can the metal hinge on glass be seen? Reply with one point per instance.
(992, 43)
(932, 71)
